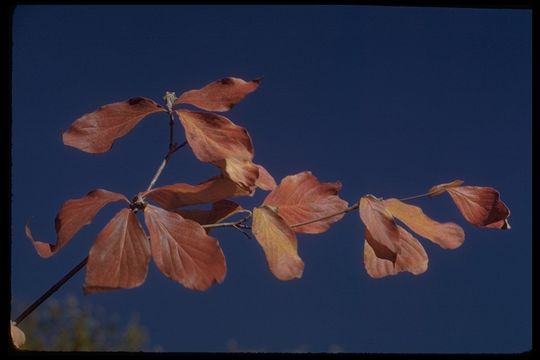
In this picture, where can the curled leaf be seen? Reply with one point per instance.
(96, 132)
(220, 95)
(265, 181)
(73, 215)
(183, 251)
(481, 206)
(412, 258)
(174, 196)
(17, 335)
(441, 188)
(217, 140)
(119, 257)
(278, 242)
(380, 224)
(301, 198)
(447, 235)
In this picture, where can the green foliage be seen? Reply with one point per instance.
(69, 325)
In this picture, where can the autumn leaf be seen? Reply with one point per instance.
(183, 251)
(17, 335)
(412, 258)
(217, 140)
(447, 235)
(96, 132)
(73, 215)
(481, 206)
(220, 95)
(301, 198)
(119, 257)
(278, 241)
(265, 181)
(221, 210)
(379, 222)
(174, 196)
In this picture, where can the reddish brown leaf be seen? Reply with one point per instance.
(447, 235)
(73, 215)
(481, 206)
(171, 197)
(278, 242)
(217, 140)
(265, 181)
(441, 188)
(96, 132)
(183, 251)
(220, 211)
(119, 257)
(412, 258)
(300, 198)
(17, 336)
(219, 95)
(381, 225)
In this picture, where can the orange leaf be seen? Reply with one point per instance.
(381, 225)
(96, 132)
(300, 198)
(441, 188)
(481, 206)
(242, 172)
(220, 95)
(73, 215)
(278, 242)
(183, 251)
(265, 181)
(412, 258)
(220, 211)
(171, 197)
(447, 235)
(217, 140)
(17, 336)
(119, 257)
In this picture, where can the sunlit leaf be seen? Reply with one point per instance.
(174, 196)
(412, 258)
(441, 188)
(73, 215)
(265, 181)
(220, 95)
(217, 140)
(183, 251)
(119, 257)
(278, 242)
(96, 132)
(300, 198)
(381, 225)
(242, 172)
(481, 206)
(447, 235)
(17, 336)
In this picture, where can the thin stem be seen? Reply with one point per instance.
(349, 209)
(51, 291)
(171, 130)
(235, 224)
(171, 151)
(414, 197)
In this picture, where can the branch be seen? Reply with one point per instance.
(347, 210)
(51, 291)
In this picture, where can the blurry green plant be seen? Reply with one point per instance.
(69, 325)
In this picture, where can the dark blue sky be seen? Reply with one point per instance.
(388, 100)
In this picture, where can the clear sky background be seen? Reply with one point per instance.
(388, 100)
